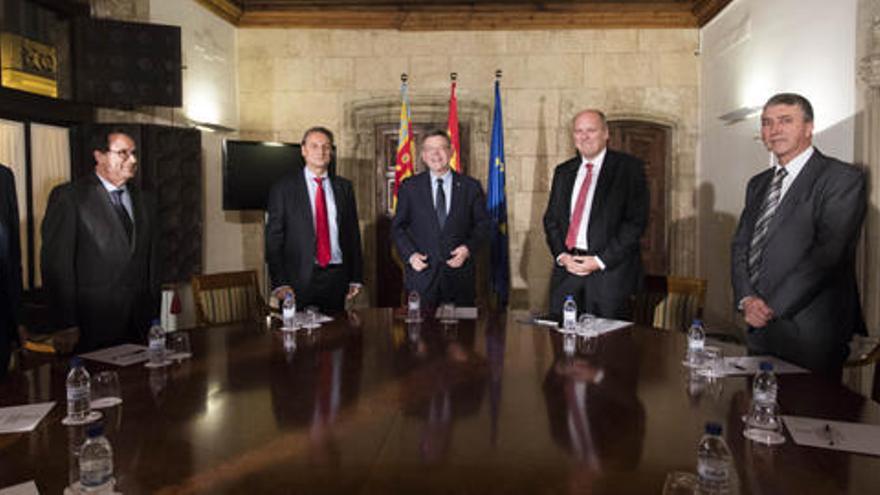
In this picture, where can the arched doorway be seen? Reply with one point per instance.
(650, 143)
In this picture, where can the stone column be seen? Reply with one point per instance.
(869, 270)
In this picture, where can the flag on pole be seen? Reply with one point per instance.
(496, 204)
(406, 151)
(452, 128)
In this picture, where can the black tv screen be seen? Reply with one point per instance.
(250, 168)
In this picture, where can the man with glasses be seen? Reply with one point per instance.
(99, 262)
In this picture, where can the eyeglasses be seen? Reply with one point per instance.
(124, 154)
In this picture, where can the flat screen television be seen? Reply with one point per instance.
(251, 168)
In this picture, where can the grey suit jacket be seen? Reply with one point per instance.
(95, 278)
(807, 272)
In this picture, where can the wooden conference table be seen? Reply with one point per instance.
(366, 405)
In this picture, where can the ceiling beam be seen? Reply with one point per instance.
(706, 10)
(225, 9)
(511, 16)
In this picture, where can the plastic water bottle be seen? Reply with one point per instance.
(569, 314)
(78, 391)
(288, 312)
(96, 462)
(413, 306)
(696, 343)
(715, 471)
(764, 387)
(156, 342)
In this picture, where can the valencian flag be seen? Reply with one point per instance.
(496, 204)
(406, 151)
(452, 129)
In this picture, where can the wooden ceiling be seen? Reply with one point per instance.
(443, 15)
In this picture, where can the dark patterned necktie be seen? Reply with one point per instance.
(121, 212)
(441, 203)
(762, 226)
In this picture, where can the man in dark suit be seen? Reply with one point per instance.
(440, 221)
(313, 242)
(99, 255)
(10, 266)
(598, 210)
(793, 253)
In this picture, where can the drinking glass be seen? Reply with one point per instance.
(311, 318)
(105, 390)
(178, 346)
(713, 362)
(447, 314)
(586, 325)
(763, 424)
(680, 483)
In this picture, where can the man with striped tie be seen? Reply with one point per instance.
(793, 253)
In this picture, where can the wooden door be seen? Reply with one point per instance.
(650, 143)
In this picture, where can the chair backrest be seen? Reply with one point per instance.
(670, 302)
(226, 297)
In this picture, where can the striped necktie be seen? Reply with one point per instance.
(762, 226)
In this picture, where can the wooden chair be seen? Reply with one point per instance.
(669, 302)
(227, 298)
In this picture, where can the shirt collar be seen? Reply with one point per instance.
(109, 185)
(597, 161)
(796, 164)
(311, 175)
(444, 175)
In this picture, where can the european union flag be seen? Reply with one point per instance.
(496, 204)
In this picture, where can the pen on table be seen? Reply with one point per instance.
(830, 433)
(129, 354)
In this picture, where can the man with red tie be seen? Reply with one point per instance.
(597, 212)
(313, 242)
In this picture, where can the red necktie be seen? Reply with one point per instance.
(322, 228)
(577, 216)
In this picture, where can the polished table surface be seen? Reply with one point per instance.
(367, 405)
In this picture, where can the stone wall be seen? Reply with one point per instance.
(349, 81)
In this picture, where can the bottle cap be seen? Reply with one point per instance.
(766, 366)
(155, 322)
(569, 297)
(75, 361)
(697, 321)
(96, 430)
(713, 428)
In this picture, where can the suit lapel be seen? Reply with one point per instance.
(428, 199)
(568, 186)
(339, 200)
(455, 195)
(137, 211)
(603, 184)
(99, 202)
(801, 186)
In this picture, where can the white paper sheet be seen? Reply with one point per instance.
(18, 419)
(461, 313)
(603, 326)
(835, 435)
(120, 355)
(748, 365)
(26, 488)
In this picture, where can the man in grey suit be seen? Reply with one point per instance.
(99, 255)
(794, 249)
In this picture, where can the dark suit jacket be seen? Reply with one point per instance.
(94, 277)
(290, 232)
(415, 229)
(808, 270)
(10, 265)
(618, 217)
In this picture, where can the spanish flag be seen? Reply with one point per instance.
(452, 130)
(406, 151)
